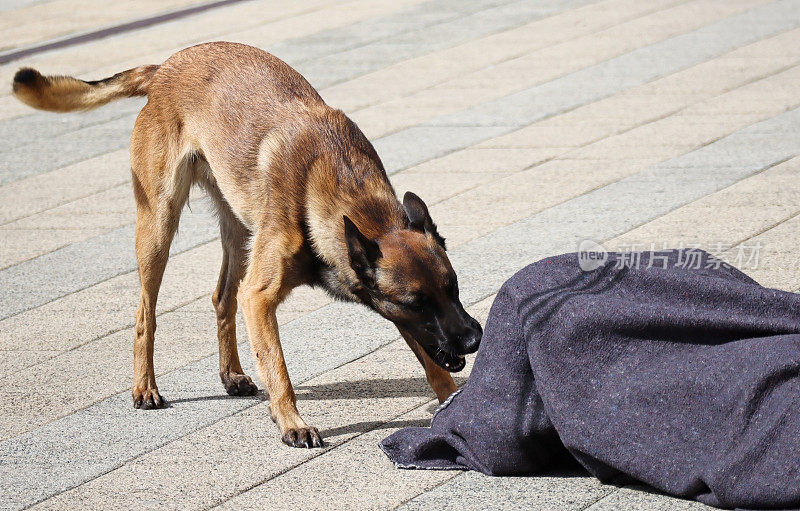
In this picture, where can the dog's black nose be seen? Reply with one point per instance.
(472, 339)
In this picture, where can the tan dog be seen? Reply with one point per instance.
(302, 199)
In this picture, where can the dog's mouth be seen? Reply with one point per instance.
(445, 360)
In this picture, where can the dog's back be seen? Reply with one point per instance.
(215, 89)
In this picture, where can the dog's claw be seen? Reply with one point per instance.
(307, 437)
(238, 384)
(148, 399)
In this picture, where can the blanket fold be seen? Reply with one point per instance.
(682, 376)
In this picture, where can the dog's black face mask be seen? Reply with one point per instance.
(407, 278)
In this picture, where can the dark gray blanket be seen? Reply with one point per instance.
(678, 374)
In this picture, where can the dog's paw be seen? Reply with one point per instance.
(303, 437)
(238, 384)
(148, 399)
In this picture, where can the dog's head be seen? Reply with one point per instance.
(406, 277)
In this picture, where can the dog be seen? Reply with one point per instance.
(302, 199)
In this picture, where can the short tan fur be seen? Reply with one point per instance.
(302, 198)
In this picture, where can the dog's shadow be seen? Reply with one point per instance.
(372, 388)
(388, 388)
(369, 388)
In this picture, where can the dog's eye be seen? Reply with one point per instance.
(416, 305)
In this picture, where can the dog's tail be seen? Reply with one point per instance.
(67, 94)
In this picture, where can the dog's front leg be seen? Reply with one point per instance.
(440, 380)
(264, 287)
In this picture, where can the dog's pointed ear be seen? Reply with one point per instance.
(363, 252)
(418, 217)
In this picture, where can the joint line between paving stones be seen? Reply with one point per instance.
(489, 34)
(762, 231)
(95, 339)
(568, 110)
(66, 203)
(516, 56)
(313, 457)
(743, 178)
(771, 226)
(600, 498)
(91, 124)
(104, 231)
(437, 485)
(84, 288)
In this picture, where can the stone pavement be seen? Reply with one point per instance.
(527, 125)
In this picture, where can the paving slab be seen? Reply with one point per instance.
(68, 148)
(639, 66)
(56, 274)
(774, 256)
(724, 220)
(26, 23)
(569, 490)
(522, 71)
(35, 194)
(622, 205)
(641, 498)
(69, 223)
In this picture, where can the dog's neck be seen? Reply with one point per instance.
(372, 205)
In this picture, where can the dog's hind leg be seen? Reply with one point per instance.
(234, 237)
(161, 186)
(440, 380)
